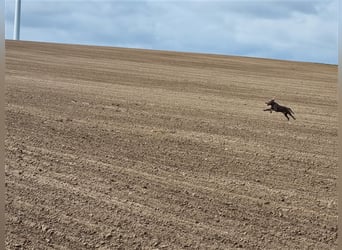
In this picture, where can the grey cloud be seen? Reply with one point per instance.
(270, 28)
(274, 10)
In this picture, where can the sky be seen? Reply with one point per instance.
(297, 30)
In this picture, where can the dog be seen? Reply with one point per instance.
(278, 108)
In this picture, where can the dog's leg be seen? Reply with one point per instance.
(268, 110)
(286, 116)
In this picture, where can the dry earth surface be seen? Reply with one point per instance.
(111, 148)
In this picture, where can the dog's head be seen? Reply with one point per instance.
(270, 102)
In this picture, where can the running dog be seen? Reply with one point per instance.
(278, 108)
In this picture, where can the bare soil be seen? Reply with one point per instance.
(112, 148)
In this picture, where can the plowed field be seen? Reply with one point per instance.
(111, 148)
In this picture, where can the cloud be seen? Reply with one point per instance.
(294, 29)
(273, 10)
(310, 36)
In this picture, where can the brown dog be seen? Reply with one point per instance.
(278, 108)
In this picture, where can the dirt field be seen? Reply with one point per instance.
(111, 148)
